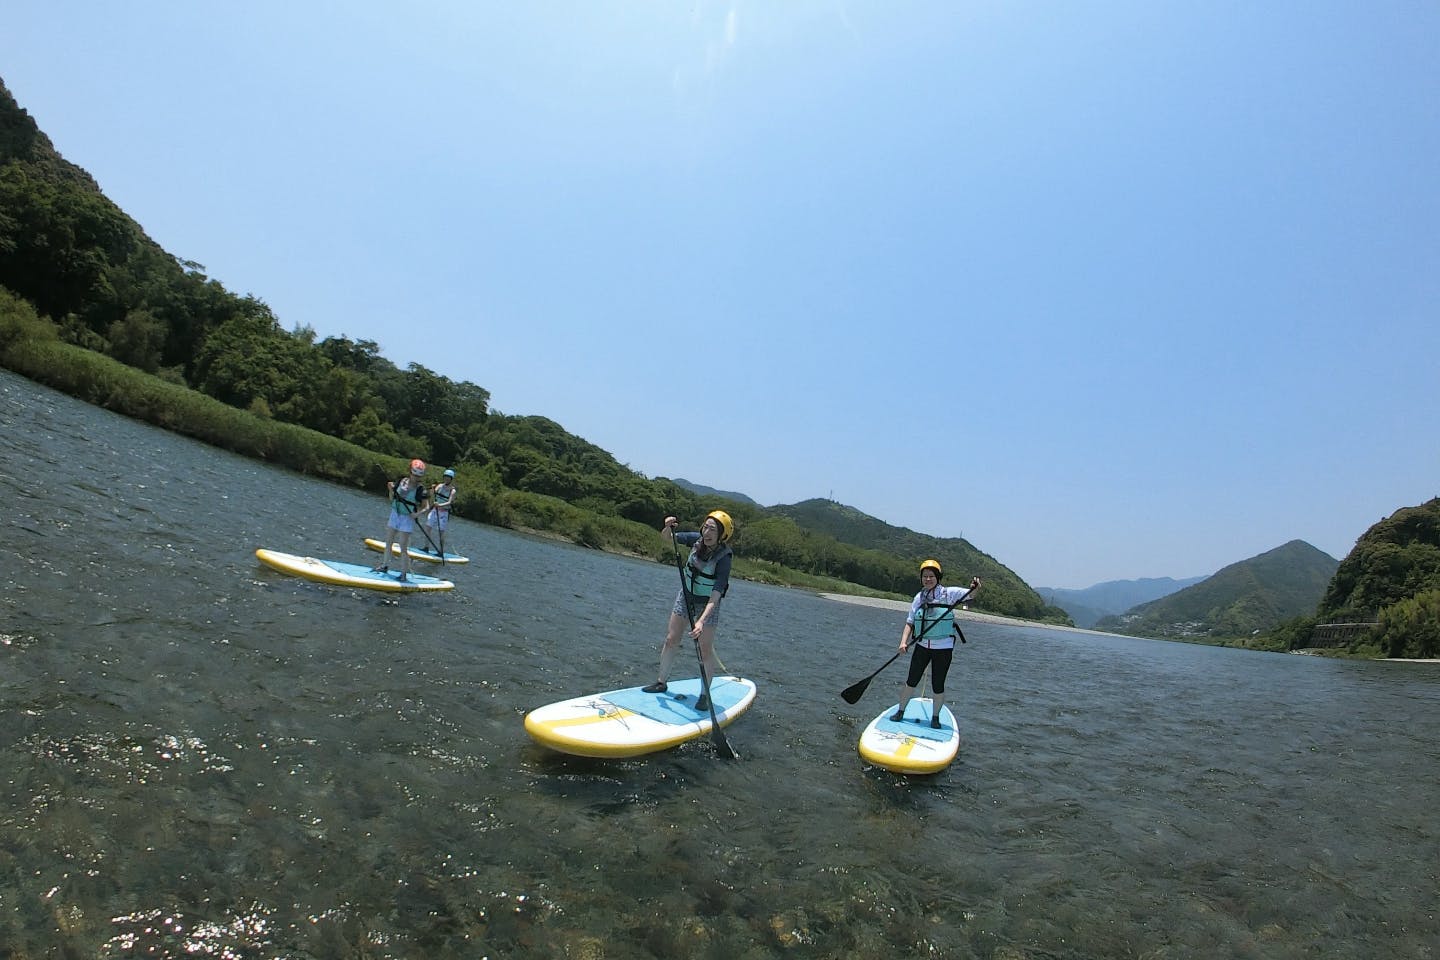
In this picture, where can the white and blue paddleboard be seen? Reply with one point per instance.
(343, 574)
(416, 553)
(911, 745)
(631, 722)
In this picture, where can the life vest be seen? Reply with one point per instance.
(935, 621)
(409, 501)
(448, 495)
(700, 577)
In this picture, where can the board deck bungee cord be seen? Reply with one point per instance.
(911, 745)
(632, 723)
(342, 574)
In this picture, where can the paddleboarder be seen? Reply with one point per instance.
(705, 578)
(438, 518)
(408, 497)
(932, 619)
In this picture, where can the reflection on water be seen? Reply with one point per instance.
(202, 757)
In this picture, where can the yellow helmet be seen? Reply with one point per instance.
(935, 564)
(727, 526)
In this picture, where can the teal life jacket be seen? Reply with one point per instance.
(700, 577)
(411, 503)
(437, 493)
(935, 621)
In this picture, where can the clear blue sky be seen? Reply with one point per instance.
(1113, 290)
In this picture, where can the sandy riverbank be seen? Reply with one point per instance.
(904, 605)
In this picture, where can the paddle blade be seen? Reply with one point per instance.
(854, 692)
(722, 746)
(717, 737)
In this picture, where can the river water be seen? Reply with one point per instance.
(203, 757)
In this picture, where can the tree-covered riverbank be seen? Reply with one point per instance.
(32, 346)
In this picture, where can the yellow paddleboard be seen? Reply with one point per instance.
(343, 574)
(631, 722)
(911, 745)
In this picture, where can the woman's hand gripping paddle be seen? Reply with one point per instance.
(717, 736)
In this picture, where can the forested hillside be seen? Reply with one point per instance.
(1251, 596)
(90, 305)
(1392, 579)
(961, 560)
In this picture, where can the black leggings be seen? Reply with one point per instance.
(923, 657)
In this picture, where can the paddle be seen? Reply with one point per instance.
(717, 736)
(855, 691)
(433, 545)
(440, 548)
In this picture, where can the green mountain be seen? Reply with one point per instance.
(1396, 559)
(1240, 600)
(1391, 578)
(1004, 590)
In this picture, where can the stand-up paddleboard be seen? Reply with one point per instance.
(911, 745)
(345, 574)
(416, 553)
(631, 722)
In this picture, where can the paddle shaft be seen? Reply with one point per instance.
(855, 691)
(437, 548)
(717, 736)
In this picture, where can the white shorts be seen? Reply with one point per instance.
(402, 522)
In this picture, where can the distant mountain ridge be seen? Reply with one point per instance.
(1004, 589)
(705, 491)
(849, 525)
(1087, 606)
(1244, 598)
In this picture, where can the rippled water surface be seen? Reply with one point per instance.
(203, 757)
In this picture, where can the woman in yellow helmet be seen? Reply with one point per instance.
(704, 578)
(930, 626)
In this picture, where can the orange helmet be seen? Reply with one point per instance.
(417, 467)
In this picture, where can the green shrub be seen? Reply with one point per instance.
(19, 323)
(1411, 628)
